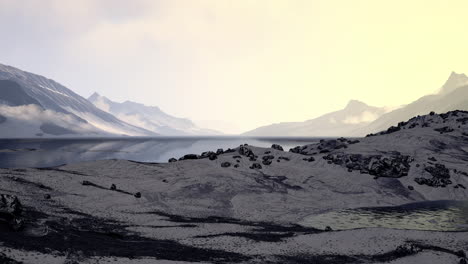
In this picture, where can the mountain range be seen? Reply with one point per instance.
(35, 106)
(359, 119)
(149, 117)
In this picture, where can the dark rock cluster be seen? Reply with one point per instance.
(10, 211)
(440, 176)
(428, 120)
(393, 165)
(445, 129)
(324, 146)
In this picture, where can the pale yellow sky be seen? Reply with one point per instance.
(247, 63)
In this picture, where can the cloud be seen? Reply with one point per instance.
(364, 117)
(36, 116)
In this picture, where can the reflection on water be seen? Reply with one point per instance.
(52, 152)
(432, 215)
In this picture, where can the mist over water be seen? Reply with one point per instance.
(53, 152)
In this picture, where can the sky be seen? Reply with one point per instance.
(234, 65)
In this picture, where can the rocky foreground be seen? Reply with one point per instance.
(241, 205)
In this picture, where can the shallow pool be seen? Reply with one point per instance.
(430, 215)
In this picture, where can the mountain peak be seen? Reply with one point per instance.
(454, 81)
(94, 96)
(355, 104)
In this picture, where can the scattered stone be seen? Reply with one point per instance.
(284, 158)
(328, 229)
(237, 157)
(256, 166)
(137, 195)
(463, 261)
(432, 159)
(266, 162)
(277, 147)
(226, 164)
(113, 187)
(410, 187)
(220, 151)
(172, 160)
(213, 156)
(267, 152)
(417, 165)
(237, 161)
(47, 196)
(350, 170)
(86, 183)
(236, 166)
(309, 159)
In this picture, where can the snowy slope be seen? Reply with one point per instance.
(222, 209)
(340, 123)
(149, 117)
(20, 88)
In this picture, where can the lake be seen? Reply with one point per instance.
(53, 152)
(429, 215)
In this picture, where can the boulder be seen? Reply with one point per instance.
(113, 187)
(10, 204)
(277, 147)
(226, 164)
(10, 211)
(172, 160)
(219, 151)
(256, 166)
(190, 157)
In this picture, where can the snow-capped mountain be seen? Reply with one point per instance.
(453, 95)
(344, 122)
(149, 117)
(32, 105)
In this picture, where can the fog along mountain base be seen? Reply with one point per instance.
(242, 205)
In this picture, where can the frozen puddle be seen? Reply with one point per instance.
(431, 215)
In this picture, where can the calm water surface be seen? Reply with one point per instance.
(52, 152)
(431, 215)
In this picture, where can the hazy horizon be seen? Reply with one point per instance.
(238, 65)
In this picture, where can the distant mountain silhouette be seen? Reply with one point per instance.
(149, 117)
(452, 96)
(344, 122)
